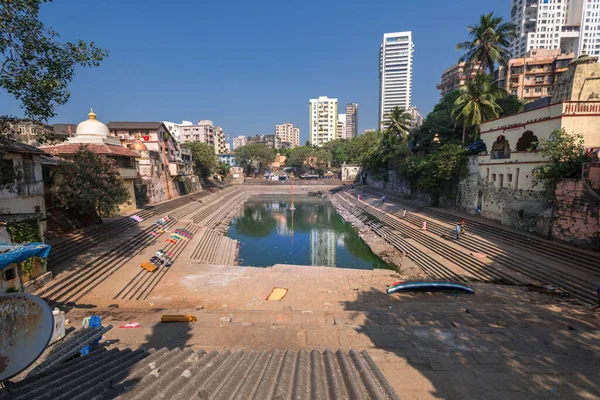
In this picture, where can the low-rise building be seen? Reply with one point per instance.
(161, 164)
(533, 76)
(349, 173)
(501, 184)
(97, 138)
(21, 184)
(28, 131)
(228, 158)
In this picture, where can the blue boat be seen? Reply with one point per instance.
(429, 286)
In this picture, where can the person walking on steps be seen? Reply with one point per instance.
(383, 199)
(462, 226)
(458, 229)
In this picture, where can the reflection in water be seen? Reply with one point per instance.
(313, 234)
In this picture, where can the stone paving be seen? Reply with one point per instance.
(504, 342)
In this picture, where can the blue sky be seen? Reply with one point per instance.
(249, 65)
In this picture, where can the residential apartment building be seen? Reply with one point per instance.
(288, 133)
(565, 25)
(351, 120)
(323, 119)
(456, 77)
(239, 142)
(268, 140)
(204, 131)
(533, 76)
(417, 118)
(395, 73)
(174, 129)
(341, 126)
(220, 142)
(27, 131)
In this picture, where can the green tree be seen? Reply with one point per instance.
(564, 154)
(489, 42)
(90, 186)
(35, 67)
(439, 127)
(205, 160)
(338, 151)
(476, 103)
(436, 172)
(255, 155)
(510, 104)
(297, 157)
(400, 122)
(223, 168)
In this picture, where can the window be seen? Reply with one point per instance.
(28, 170)
(509, 178)
(9, 274)
(7, 172)
(493, 177)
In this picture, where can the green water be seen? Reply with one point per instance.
(314, 234)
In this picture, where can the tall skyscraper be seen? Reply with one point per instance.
(288, 133)
(568, 25)
(341, 127)
(323, 120)
(395, 73)
(351, 120)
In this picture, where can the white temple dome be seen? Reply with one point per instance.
(92, 127)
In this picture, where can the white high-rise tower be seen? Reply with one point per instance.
(395, 72)
(568, 25)
(323, 120)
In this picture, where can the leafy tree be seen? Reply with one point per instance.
(338, 151)
(35, 67)
(400, 122)
(297, 157)
(510, 104)
(437, 171)
(254, 155)
(361, 148)
(90, 186)
(223, 168)
(565, 155)
(489, 42)
(477, 103)
(439, 127)
(204, 158)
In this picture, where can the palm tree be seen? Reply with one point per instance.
(489, 43)
(476, 103)
(400, 122)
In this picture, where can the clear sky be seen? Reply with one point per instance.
(248, 65)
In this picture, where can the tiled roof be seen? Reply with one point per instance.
(184, 374)
(104, 149)
(18, 147)
(126, 125)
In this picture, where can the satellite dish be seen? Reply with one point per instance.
(26, 329)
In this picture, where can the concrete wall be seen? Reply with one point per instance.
(397, 184)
